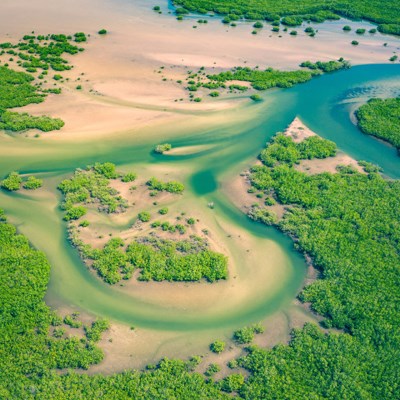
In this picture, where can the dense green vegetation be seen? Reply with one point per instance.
(294, 12)
(349, 224)
(44, 52)
(270, 78)
(327, 66)
(18, 122)
(27, 352)
(17, 91)
(381, 118)
(157, 259)
(187, 260)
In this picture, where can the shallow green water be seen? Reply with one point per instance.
(323, 104)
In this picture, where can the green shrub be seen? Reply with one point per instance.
(217, 347)
(212, 370)
(80, 37)
(162, 148)
(144, 216)
(72, 322)
(171, 186)
(33, 183)
(129, 177)
(244, 335)
(256, 97)
(232, 383)
(292, 21)
(106, 169)
(99, 326)
(75, 213)
(13, 182)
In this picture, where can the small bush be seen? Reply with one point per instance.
(162, 148)
(144, 216)
(33, 183)
(256, 97)
(12, 182)
(129, 177)
(217, 346)
(212, 370)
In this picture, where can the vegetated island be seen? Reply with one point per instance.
(381, 118)
(159, 248)
(293, 13)
(38, 55)
(241, 79)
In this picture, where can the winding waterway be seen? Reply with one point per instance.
(323, 104)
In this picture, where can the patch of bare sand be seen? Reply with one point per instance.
(137, 195)
(240, 83)
(86, 118)
(127, 348)
(188, 150)
(238, 191)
